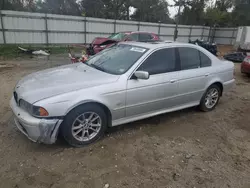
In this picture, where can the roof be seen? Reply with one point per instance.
(158, 44)
(130, 32)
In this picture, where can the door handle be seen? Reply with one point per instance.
(207, 74)
(173, 81)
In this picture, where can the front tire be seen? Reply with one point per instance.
(84, 125)
(211, 98)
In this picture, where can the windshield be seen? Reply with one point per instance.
(118, 36)
(116, 60)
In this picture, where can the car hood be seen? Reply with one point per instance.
(59, 80)
(101, 40)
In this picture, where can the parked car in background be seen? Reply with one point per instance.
(101, 43)
(235, 56)
(125, 83)
(245, 66)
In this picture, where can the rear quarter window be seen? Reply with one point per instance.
(205, 60)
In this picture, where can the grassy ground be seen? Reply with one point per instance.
(12, 51)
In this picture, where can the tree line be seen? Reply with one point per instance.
(222, 13)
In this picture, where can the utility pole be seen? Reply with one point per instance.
(177, 21)
(180, 3)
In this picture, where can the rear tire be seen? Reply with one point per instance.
(84, 125)
(210, 98)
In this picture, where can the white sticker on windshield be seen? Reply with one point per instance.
(136, 49)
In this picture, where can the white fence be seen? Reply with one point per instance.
(36, 28)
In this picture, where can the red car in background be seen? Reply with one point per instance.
(245, 66)
(101, 43)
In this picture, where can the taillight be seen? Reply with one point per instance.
(247, 60)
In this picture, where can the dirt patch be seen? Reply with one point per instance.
(187, 148)
(224, 49)
(5, 66)
(2, 65)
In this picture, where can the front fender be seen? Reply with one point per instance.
(84, 102)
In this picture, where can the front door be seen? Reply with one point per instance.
(158, 92)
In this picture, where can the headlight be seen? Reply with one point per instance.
(25, 106)
(33, 110)
(39, 111)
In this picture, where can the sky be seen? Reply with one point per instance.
(172, 10)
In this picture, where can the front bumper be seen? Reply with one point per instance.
(36, 129)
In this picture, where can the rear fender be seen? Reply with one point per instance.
(213, 81)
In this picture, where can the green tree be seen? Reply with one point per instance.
(151, 11)
(115, 9)
(12, 5)
(65, 7)
(224, 5)
(92, 8)
(193, 12)
(109, 9)
(241, 13)
(216, 17)
(30, 5)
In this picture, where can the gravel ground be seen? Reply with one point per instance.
(187, 148)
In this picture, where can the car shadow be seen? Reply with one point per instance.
(152, 121)
(61, 144)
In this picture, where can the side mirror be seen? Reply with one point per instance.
(143, 75)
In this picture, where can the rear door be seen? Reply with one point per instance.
(194, 75)
(159, 91)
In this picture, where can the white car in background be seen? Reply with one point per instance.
(125, 83)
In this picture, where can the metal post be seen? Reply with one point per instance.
(213, 33)
(159, 28)
(138, 26)
(190, 32)
(202, 34)
(3, 31)
(114, 26)
(46, 30)
(85, 30)
(177, 22)
(209, 35)
(232, 37)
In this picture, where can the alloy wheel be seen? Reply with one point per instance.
(86, 126)
(211, 98)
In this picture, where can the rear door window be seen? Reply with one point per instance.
(189, 58)
(145, 37)
(133, 37)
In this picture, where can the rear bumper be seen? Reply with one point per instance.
(36, 129)
(227, 86)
